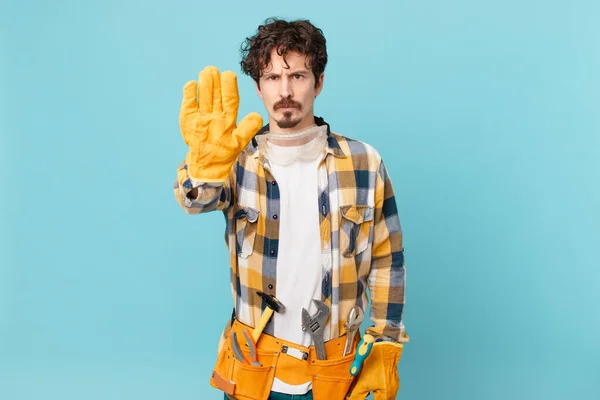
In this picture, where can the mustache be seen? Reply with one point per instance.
(287, 103)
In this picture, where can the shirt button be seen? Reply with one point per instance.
(272, 252)
(275, 216)
(270, 286)
(273, 183)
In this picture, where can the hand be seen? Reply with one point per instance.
(208, 124)
(379, 373)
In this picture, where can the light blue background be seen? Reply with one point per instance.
(486, 113)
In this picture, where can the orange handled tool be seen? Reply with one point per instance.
(252, 345)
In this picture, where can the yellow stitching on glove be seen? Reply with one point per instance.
(379, 373)
(208, 124)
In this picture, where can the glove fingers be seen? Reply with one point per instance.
(205, 91)
(217, 107)
(229, 93)
(189, 103)
(247, 128)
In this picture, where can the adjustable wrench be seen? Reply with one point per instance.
(315, 325)
(355, 318)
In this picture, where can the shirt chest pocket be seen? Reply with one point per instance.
(246, 221)
(355, 229)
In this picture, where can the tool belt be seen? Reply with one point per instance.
(289, 362)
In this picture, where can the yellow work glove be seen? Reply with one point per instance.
(379, 373)
(208, 124)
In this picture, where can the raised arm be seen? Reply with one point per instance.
(206, 179)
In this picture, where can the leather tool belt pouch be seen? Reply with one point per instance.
(289, 362)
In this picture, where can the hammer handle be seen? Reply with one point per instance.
(264, 319)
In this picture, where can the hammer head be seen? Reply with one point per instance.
(272, 302)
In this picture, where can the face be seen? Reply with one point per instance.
(288, 92)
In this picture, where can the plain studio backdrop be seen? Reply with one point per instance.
(485, 112)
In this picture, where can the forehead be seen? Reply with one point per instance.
(293, 59)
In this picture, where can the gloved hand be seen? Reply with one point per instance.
(379, 373)
(208, 124)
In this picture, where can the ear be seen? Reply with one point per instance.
(319, 84)
(258, 92)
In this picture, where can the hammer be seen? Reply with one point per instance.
(272, 305)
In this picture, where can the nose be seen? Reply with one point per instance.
(285, 89)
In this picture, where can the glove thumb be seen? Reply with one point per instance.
(359, 392)
(247, 128)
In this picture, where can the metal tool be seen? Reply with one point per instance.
(252, 345)
(236, 348)
(355, 318)
(273, 305)
(362, 351)
(315, 325)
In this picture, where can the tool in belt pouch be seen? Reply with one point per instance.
(355, 318)
(331, 378)
(272, 305)
(326, 367)
(232, 374)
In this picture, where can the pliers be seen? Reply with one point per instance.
(250, 343)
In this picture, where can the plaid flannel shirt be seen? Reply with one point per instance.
(361, 237)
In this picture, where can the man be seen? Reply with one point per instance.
(311, 215)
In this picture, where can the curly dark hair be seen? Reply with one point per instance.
(299, 36)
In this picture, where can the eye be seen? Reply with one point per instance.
(271, 78)
(298, 76)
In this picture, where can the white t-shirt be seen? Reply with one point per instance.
(299, 273)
